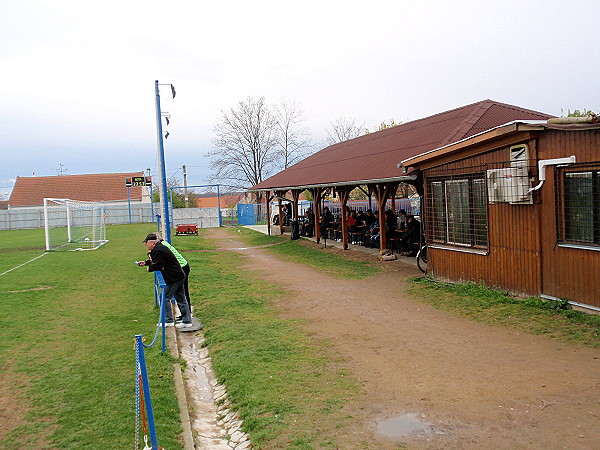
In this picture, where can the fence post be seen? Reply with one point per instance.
(159, 298)
(146, 386)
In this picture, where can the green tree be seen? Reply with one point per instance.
(178, 201)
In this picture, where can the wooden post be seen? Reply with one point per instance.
(317, 195)
(382, 192)
(344, 196)
(280, 216)
(268, 199)
(296, 196)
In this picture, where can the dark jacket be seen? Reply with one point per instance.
(163, 260)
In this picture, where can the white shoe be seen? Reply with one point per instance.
(184, 325)
(167, 324)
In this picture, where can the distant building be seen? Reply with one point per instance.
(101, 187)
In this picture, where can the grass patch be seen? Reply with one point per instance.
(255, 238)
(323, 259)
(534, 315)
(286, 387)
(70, 346)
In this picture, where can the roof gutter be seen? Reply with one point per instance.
(341, 183)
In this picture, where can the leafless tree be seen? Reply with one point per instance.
(245, 144)
(344, 129)
(293, 142)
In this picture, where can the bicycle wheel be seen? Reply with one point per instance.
(422, 259)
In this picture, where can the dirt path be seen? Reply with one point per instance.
(454, 382)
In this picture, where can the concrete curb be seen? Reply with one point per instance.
(188, 438)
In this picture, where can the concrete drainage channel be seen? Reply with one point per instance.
(207, 421)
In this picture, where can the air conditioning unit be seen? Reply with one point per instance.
(509, 185)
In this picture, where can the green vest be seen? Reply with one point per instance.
(181, 259)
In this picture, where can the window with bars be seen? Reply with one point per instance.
(578, 204)
(457, 211)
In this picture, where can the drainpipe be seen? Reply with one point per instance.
(542, 163)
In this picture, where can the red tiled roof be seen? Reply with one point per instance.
(211, 202)
(375, 156)
(29, 191)
(3, 204)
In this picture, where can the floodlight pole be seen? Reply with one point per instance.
(166, 223)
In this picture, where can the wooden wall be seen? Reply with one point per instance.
(523, 257)
(570, 273)
(513, 261)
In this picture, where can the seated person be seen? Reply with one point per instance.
(308, 225)
(410, 237)
(326, 220)
(361, 219)
(374, 239)
(351, 221)
(370, 217)
(390, 222)
(402, 219)
(286, 213)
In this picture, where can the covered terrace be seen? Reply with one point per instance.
(369, 162)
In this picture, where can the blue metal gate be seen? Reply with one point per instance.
(246, 214)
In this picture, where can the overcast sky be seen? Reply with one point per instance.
(77, 78)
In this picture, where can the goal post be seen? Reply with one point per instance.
(73, 225)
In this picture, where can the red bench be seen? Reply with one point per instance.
(186, 229)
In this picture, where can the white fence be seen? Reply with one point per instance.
(33, 217)
(202, 217)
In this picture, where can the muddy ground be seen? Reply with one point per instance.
(433, 380)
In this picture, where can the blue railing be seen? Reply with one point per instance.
(142, 383)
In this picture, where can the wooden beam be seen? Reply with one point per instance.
(382, 192)
(317, 194)
(268, 197)
(280, 195)
(296, 196)
(344, 196)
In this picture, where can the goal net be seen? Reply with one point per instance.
(74, 225)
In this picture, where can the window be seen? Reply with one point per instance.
(458, 212)
(578, 196)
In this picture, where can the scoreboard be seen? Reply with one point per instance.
(138, 181)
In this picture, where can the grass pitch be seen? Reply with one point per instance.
(67, 359)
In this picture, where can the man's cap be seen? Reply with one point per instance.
(150, 237)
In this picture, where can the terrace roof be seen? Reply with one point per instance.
(374, 157)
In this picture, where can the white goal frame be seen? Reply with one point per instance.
(74, 225)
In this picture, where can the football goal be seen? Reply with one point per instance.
(74, 225)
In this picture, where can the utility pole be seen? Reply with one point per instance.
(185, 191)
(164, 202)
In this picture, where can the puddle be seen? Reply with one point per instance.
(403, 426)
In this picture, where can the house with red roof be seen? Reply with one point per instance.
(100, 187)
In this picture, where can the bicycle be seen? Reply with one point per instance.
(422, 259)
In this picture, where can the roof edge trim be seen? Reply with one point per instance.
(514, 125)
(341, 183)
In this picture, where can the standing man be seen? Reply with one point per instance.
(184, 265)
(163, 260)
